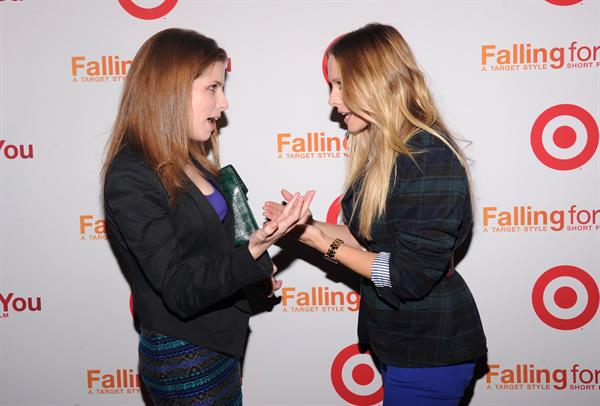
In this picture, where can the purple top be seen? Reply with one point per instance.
(218, 202)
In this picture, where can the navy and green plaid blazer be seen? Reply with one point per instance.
(428, 316)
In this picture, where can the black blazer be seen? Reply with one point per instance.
(186, 276)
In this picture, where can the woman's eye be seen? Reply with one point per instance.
(213, 88)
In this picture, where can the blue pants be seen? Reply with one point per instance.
(443, 386)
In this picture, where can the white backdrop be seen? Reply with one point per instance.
(67, 332)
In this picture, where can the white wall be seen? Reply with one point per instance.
(74, 322)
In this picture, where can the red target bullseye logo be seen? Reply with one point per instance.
(565, 297)
(148, 13)
(563, 140)
(355, 378)
(131, 305)
(564, 2)
(324, 62)
(333, 214)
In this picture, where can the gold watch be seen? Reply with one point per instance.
(330, 254)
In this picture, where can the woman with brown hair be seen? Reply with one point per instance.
(407, 208)
(171, 228)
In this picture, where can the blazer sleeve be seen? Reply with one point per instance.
(426, 211)
(138, 205)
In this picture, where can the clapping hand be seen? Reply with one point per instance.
(305, 232)
(272, 210)
(296, 209)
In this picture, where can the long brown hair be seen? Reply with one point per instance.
(154, 111)
(382, 83)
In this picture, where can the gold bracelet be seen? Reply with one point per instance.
(330, 254)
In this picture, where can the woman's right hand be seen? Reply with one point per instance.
(296, 209)
(272, 210)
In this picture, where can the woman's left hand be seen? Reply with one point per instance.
(272, 210)
(261, 239)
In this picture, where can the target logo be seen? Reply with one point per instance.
(564, 2)
(333, 214)
(355, 378)
(324, 62)
(131, 305)
(565, 297)
(151, 13)
(564, 137)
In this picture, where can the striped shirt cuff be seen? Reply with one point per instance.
(380, 270)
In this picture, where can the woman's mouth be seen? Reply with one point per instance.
(212, 122)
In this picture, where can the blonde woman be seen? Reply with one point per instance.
(172, 229)
(406, 208)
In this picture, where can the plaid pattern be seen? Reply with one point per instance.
(235, 191)
(428, 316)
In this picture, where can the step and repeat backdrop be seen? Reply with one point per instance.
(517, 81)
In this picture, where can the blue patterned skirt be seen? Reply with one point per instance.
(175, 372)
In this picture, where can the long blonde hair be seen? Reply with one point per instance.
(154, 111)
(382, 84)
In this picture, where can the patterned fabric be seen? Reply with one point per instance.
(177, 373)
(427, 317)
(380, 270)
